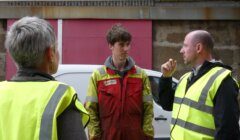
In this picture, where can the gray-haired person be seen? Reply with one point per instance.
(33, 105)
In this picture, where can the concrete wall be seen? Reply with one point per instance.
(169, 35)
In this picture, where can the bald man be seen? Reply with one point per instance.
(204, 104)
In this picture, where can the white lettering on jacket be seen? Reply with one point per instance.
(110, 82)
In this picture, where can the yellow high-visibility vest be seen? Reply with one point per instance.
(192, 117)
(29, 110)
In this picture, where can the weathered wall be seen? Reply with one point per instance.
(167, 41)
(2, 50)
(169, 35)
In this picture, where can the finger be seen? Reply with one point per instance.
(169, 66)
(165, 67)
(173, 63)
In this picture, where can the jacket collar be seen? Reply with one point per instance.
(26, 74)
(129, 68)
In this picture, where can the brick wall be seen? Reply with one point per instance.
(169, 35)
(2, 49)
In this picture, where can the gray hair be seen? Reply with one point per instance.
(28, 39)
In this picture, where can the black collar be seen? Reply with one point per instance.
(206, 66)
(26, 74)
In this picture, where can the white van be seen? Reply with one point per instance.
(78, 76)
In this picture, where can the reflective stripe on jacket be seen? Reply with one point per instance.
(120, 108)
(29, 110)
(192, 110)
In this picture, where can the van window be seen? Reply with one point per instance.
(154, 81)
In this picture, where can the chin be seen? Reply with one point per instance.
(186, 62)
(123, 60)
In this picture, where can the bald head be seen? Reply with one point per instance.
(203, 37)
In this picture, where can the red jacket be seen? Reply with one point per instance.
(121, 106)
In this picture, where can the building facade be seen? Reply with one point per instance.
(159, 27)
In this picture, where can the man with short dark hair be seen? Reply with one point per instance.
(119, 96)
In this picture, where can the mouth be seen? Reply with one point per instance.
(124, 56)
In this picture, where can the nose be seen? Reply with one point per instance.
(181, 50)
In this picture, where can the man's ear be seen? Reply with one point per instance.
(199, 47)
(110, 46)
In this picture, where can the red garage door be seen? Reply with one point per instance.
(84, 42)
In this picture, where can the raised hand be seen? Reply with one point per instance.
(169, 68)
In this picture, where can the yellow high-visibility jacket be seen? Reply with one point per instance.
(192, 116)
(29, 110)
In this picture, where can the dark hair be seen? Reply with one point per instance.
(118, 34)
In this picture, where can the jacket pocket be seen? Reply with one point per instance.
(106, 102)
(134, 96)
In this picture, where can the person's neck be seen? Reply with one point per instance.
(200, 61)
(44, 67)
(119, 64)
